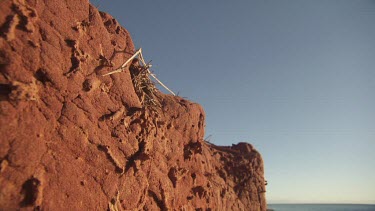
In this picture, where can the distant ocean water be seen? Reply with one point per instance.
(321, 207)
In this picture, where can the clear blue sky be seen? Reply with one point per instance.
(294, 78)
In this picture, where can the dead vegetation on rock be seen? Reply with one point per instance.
(76, 138)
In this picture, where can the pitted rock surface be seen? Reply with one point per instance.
(72, 139)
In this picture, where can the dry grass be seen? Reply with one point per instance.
(145, 88)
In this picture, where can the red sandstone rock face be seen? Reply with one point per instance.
(72, 139)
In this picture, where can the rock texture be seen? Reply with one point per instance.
(72, 139)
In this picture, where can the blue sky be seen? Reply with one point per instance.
(294, 78)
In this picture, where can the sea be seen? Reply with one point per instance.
(321, 207)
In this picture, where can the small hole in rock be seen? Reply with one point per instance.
(42, 76)
(30, 190)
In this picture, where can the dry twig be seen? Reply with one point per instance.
(139, 53)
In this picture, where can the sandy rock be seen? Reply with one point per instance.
(72, 139)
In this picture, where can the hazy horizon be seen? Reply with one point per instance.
(294, 78)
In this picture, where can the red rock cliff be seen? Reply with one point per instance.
(72, 139)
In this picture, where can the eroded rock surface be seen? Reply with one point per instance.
(72, 139)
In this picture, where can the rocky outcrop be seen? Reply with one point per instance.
(72, 139)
